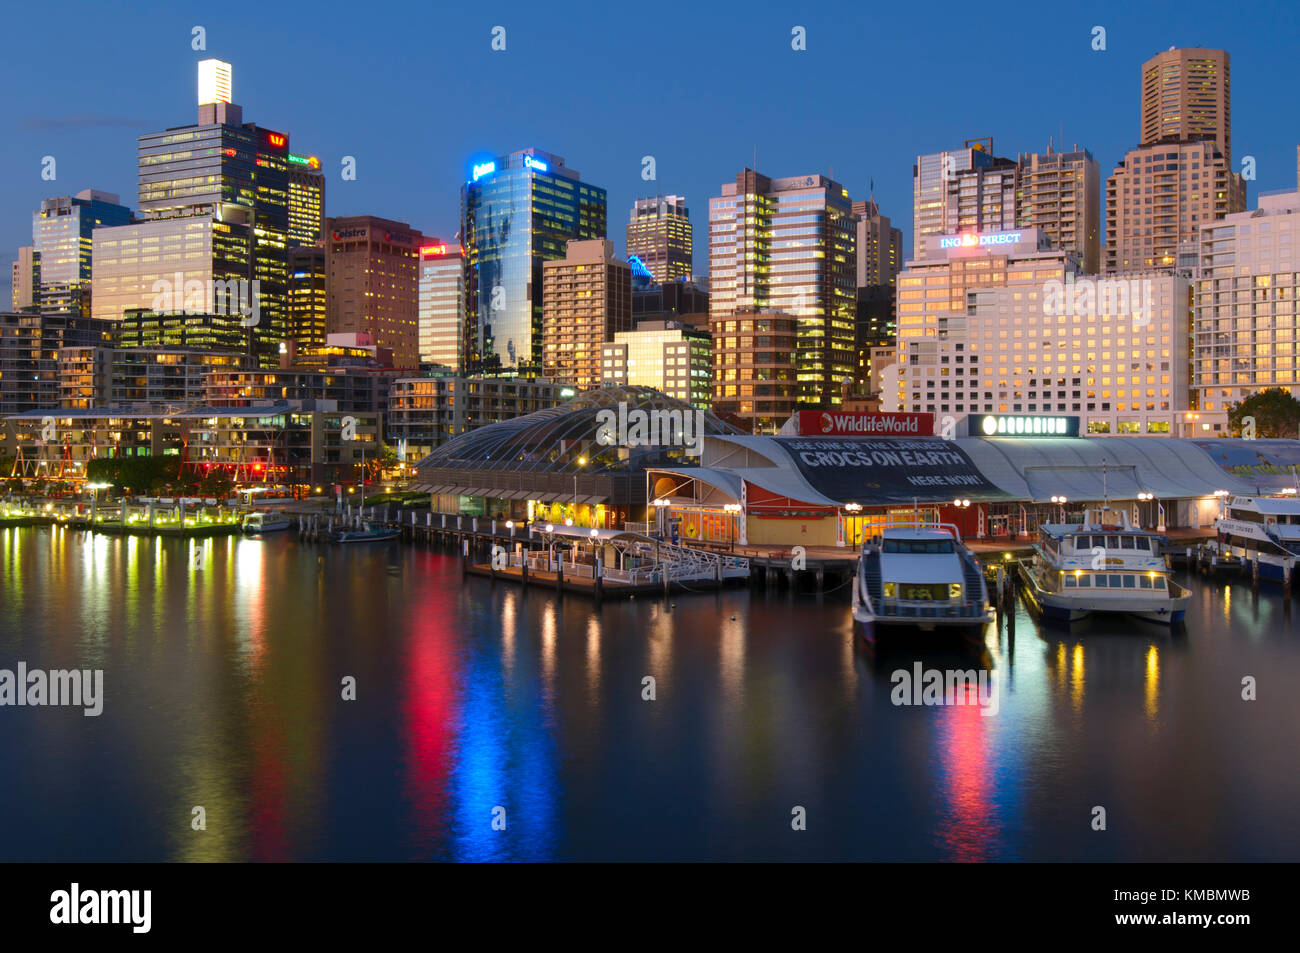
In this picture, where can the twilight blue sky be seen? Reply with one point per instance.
(412, 90)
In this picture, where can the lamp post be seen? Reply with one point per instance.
(582, 462)
(94, 498)
(853, 509)
(1146, 497)
(962, 506)
(659, 505)
(732, 509)
(1060, 501)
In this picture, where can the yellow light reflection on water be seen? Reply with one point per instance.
(509, 609)
(1152, 684)
(548, 646)
(733, 659)
(593, 660)
(1060, 668)
(1077, 677)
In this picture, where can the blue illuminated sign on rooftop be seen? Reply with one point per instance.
(538, 164)
(484, 168)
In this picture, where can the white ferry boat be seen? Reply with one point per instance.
(918, 576)
(264, 522)
(1263, 528)
(1104, 564)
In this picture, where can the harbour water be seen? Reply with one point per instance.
(225, 662)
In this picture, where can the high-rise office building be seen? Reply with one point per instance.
(306, 296)
(518, 211)
(879, 246)
(26, 278)
(442, 305)
(673, 358)
(1059, 193)
(875, 327)
(62, 230)
(659, 233)
(1187, 94)
(786, 245)
(306, 200)
(587, 299)
(961, 190)
(221, 187)
(1180, 176)
(1247, 317)
(755, 355)
(372, 283)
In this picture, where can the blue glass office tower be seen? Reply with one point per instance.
(517, 211)
(62, 231)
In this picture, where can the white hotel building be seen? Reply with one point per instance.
(975, 336)
(1247, 320)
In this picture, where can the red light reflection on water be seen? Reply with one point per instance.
(967, 825)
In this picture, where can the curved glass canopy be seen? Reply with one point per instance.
(606, 429)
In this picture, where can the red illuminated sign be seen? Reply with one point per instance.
(439, 251)
(842, 423)
(276, 139)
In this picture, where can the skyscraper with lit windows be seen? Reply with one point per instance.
(62, 236)
(216, 194)
(785, 245)
(442, 305)
(660, 234)
(518, 211)
(306, 200)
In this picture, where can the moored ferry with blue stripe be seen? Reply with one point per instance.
(1262, 529)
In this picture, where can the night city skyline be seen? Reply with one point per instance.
(678, 433)
(865, 109)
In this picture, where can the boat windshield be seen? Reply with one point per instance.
(918, 546)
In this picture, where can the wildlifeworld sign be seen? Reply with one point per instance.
(854, 424)
(883, 470)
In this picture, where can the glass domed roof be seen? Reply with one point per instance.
(610, 428)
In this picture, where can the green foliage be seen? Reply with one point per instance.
(1275, 413)
(135, 474)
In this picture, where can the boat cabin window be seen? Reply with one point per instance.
(1144, 582)
(1159, 581)
(1071, 582)
(926, 547)
(1246, 516)
(1112, 542)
